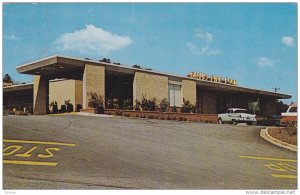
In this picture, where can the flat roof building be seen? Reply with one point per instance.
(213, 94)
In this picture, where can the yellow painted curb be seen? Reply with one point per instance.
(265, 135)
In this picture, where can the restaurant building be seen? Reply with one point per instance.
(60, 78)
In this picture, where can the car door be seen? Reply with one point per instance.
(235, 115)
(227, 115)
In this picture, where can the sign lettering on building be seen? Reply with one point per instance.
(212, 78)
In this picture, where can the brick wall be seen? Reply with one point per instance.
(62, 90)
(93, 81)
(78, 92)
(153, 86)
(188, 90)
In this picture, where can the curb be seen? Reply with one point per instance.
(265, 135)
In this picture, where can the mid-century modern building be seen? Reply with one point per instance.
(59, 78)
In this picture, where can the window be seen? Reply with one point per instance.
(293, 109)
(175, 95)
(241, 111)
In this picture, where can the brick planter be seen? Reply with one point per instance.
(208, 118)
(89, 110)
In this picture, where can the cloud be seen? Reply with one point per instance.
(202, 51)
(11, 37)
(288, 41)
(92, 40)
(264, 62)
(205, 36)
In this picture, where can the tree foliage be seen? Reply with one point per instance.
(7, 79)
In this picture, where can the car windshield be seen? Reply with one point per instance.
(241, 111)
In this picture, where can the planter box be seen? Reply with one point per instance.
(89, 110)
(208, 118)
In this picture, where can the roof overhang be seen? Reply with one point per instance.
(72, 68)
(238, 89)
(21, 87)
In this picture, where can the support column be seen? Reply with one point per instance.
(41, 95)
(188, 90)
(93, 81)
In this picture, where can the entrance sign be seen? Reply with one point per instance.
(212, 78)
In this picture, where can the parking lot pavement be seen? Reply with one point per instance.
(84, 152)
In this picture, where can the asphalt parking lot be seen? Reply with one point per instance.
(84, 152)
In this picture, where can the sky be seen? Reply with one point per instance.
(255, 44)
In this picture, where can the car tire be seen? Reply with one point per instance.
(220, 121)
(234, 122)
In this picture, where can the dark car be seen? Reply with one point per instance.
(271, 120)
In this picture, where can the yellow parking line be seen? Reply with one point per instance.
(38, 142)
(268, 158)
(22, 162)
(284, 176)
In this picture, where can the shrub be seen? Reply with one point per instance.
(63, 109)
(187, 107)
(112, 103)
(94, 100)
(137, 105)
(148, 104)
(174, 109)
(127, 104)
(196, 108)
(164, 105)
(152, 104)
(53, 107)
(291, 128)
(69, 106)
(78, 107)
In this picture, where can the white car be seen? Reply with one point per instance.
(290, 116)
(237, 115)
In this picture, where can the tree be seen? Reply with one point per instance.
(107, 60)
(281, 107)
(7, 79)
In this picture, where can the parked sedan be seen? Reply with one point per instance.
(237, 115)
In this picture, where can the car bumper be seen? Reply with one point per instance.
(247, 120)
